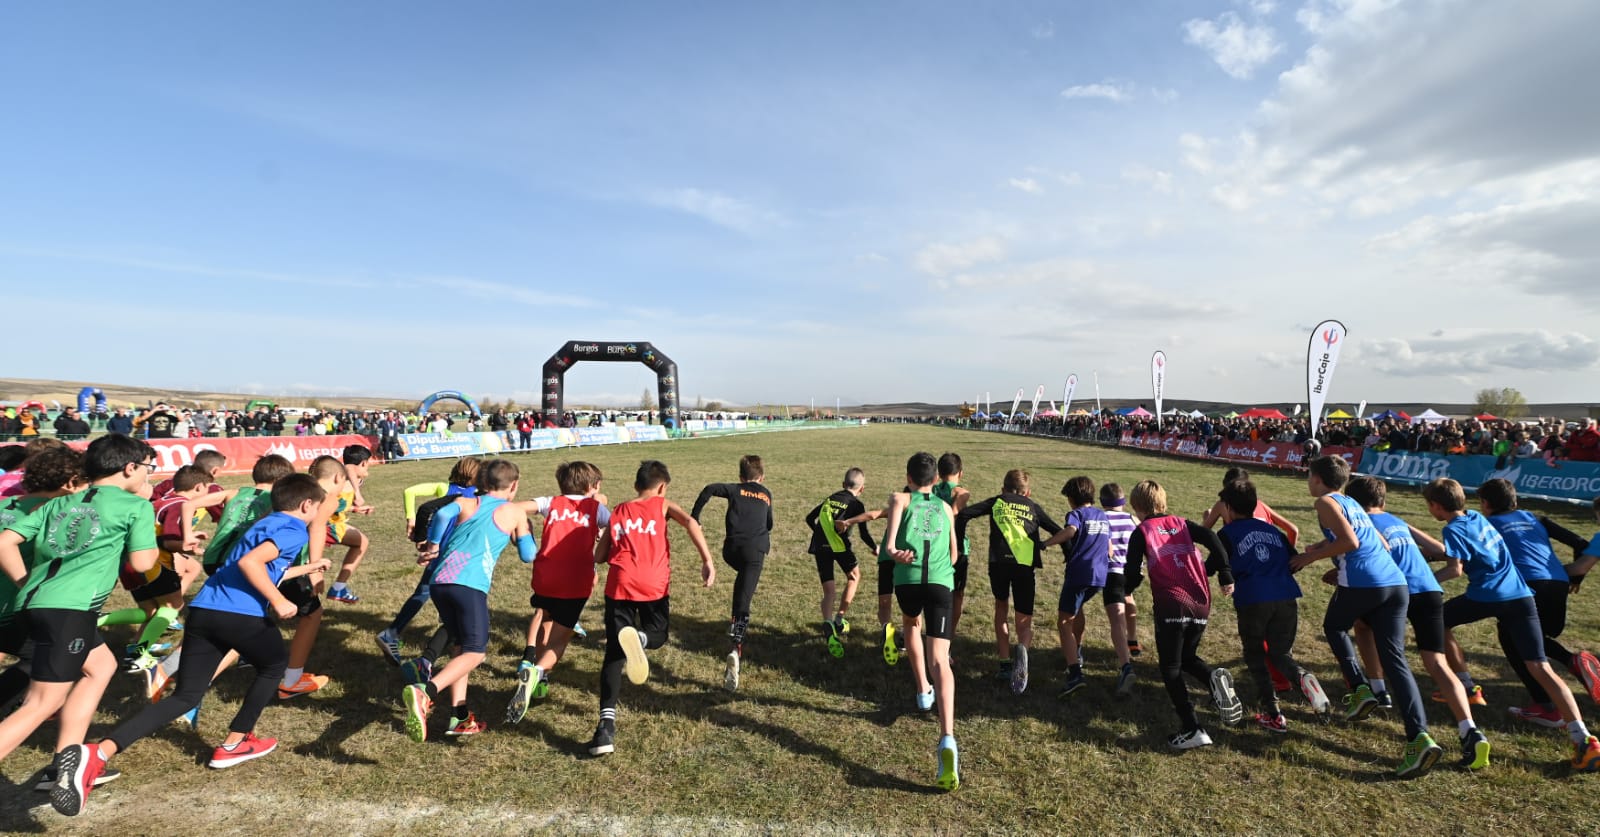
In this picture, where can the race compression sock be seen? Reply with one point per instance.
(125, 616)
(164, 616)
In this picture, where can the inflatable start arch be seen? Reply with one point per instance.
(448, 395)
(89, 395)
(576, 351)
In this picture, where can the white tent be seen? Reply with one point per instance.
(1427, 416)
(1173, 412)
(1197, 414)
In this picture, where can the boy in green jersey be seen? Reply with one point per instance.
(51, 474)
(79, 541)
(921, 540)
(949, 489)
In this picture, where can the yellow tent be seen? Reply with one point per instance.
(1340, 414)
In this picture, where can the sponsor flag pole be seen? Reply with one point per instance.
(1158, 380)
(1066, 395)
(1011, 417)
(1033, 409)
(1322, 358)
(1097, 408)
(1361, 410)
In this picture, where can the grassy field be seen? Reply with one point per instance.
(810, 743)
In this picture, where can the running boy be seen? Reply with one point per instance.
(638, 609)
(1371, 589)
(949, 489)
(744, 546)
(484, 526)
(340, 532)
(462, 476)
(1181, 598)
(1014, 524)
(1496, 591)
(563, 577)
(1120, 607)
(233, 612)
(1087, 533)
(830, 546)
(51, 474)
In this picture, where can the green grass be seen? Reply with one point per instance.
(810, 743)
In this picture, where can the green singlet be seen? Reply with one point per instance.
(79, 542)
(925, 530)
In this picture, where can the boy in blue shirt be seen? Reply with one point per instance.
(1496, 591)
(1087, 533)
(1264, 594)
(233, 612)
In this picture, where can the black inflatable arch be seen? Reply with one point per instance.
(577, 351)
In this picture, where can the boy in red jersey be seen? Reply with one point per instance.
(563, 577)
(635, 546)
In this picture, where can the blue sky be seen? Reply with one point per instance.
(869, 201)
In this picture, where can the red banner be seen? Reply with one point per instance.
(1266, 454)
(242, 452)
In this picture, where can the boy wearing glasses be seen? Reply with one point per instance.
(79, 541)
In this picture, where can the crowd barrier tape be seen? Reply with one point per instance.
(1573, 481)
(243, 451)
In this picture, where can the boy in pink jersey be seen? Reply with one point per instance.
(1180, 592)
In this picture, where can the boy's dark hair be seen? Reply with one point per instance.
(11, 456)
(1016, 481)
(1110, 493)
(356, 454)
(270, 469)
(190, 477)
(51, 470)
(1240, 497)
(209, 461)
(497, 475)
(750, 468)
(577, 477)
(652, 472)
(107, 456)
(949, 465)
(1234, 474)
(465, 471)
(921, 469)
(1447, 493)
(1333, 471)
(854, 478)
(1079, 491)
(1370, 492)
(324, 467)
(1500, 495)
(290, 492)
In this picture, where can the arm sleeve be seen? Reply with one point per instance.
(1133, 570)
(978, 509)
(1562, 535)
(441, 522)
(1216, 553)
(857, 507)
(814, 515)
(527, 548)
(141, 529)
(715, 489)
(417, 492)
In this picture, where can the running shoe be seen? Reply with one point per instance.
(925, 701)
(155, 680)
(1474, 750)
(192, 718)
(636, 665)
(1538, 714)
(1359, 703)
(1273, 723)
(604, 741)
(528, 675)
(949, 777)
(1586, 667)
(1019, 669)
(416, 671)
(579, 632)
(141, 661)
(1003, 673)
(49, 775)
(389, 642)
(307, 684)
(1073, 684)
(730, 671)
(469, 725)
(1474, 697)
(1312, 689)
(1229, 707)
(1586, 756)
(344, 595)
(417, 706)
(78, 770)
(250, 748)
(1134, 648)
(174, 627)
(1384, 700)
(891, 651)
(1420, 756)
(835, 644)
(1125, 681)
(1189, 740)
(841, 623)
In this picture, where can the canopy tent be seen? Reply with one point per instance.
(1389, 415)
(1174, 412)
(1339, 414)
(1081, 412)
(1486, 417)
(1135, 412)
(1197, 414)
(980, 414)
(1232, 414)
(1428, 416)
(1048, 414)
(1263, 413)
(999, 414)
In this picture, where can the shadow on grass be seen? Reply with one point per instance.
(18, 803)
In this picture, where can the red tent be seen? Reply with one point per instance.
(1262, 413)
(1487, 417)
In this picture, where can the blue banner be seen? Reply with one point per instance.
(455, 445)
(1579, 481)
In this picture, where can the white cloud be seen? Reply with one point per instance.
(1259, 8)
(945, 259)
(1160, 181)
(720, 209)
(1108, 90)
(1044, 31)
(1239, 48)
(501, 292)
(1026, 184)
(1483, 353)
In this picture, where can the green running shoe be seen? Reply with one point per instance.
(527, 676)
(1421, 754)
(891, 652)
(1360, 703)
(1474, 750)
(841, 623)
(949, 764)
(835, 642)
(417, 706)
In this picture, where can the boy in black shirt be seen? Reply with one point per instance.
(829, 546)
(744, 547)
(1014, 524)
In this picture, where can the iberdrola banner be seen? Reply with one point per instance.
(1015, 403)
(1066, 397)
(1033, 410)
(1158, 380)
(1322, 358)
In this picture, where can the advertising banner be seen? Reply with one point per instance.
(1015, 402)
(242, 452)
(1578, 481)
(1264, 454)
(1158, 380)
(1066, 396)
(1033, 409)
(1322, 358)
